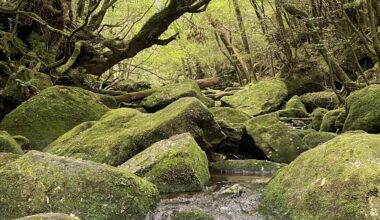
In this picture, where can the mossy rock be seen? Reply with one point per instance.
(170, 93)
(8, 144)
(39, 182)
(278, 142)
(24, 84)
(317, 117)
(292, 113)
(122, 133)
(296, 103)
(176, 164)
(339, 179)
(194, 214)
(244, 167)
(23, 142)
(329, 120)
(363, 110)
(6, 158)
(49, 216)
(232, 121)
(306, 77)
(51, 113)
(258, 98)
(316, 138)
(326, 99)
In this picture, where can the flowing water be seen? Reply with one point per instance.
(228, 197)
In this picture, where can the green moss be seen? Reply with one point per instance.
(170, 93)
(22, 141)
(327, 100)
(39, 182)
(317, 116)
(195, 214)
(256, 167)
(316, 138)
(278, 142)
(292, 113)
(259, 98)
(363, 110)
(232, 121)
(24, 84)
(122, 133)
(339, 179)
(49, 216)
(176, 164)
(329, 120)
(51, 113)
(8, 144)
(295, 103)
(6, 158)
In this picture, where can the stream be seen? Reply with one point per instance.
(228, 197)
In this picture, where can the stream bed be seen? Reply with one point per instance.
(228, 197)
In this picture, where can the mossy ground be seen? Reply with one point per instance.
(51, 113)
(337, 180)
(195, 214)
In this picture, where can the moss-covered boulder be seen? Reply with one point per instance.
(364, 110)
(244, 167)
(39, 182)
(258, 98)
(294, 108)
(24, 84)
(305, 77)
(232, 121)
(8, 144)
(316, 138)
(122, 133)
(329, 120)
(194, 214)
(317, 117)
(339, 179)
(49, 216)
(326, 99)
(51, 113)
(176, 164)
(6, 158)
(278, 142)
(170, 93)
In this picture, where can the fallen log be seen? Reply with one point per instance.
(208, 82)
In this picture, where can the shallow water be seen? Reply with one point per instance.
(241, 204)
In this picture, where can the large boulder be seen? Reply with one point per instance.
(8, 144)
(232, 121)
(336, 180)
(176, 164)
(316, 138)
(165, 95)
(6, 158)
(51, 113)
(49, 216)
(306, 77)
(24, 84)
(258, 98)
(122, 133)
(363, 110)
(38, 182)
(277, 141)
(326, 99)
